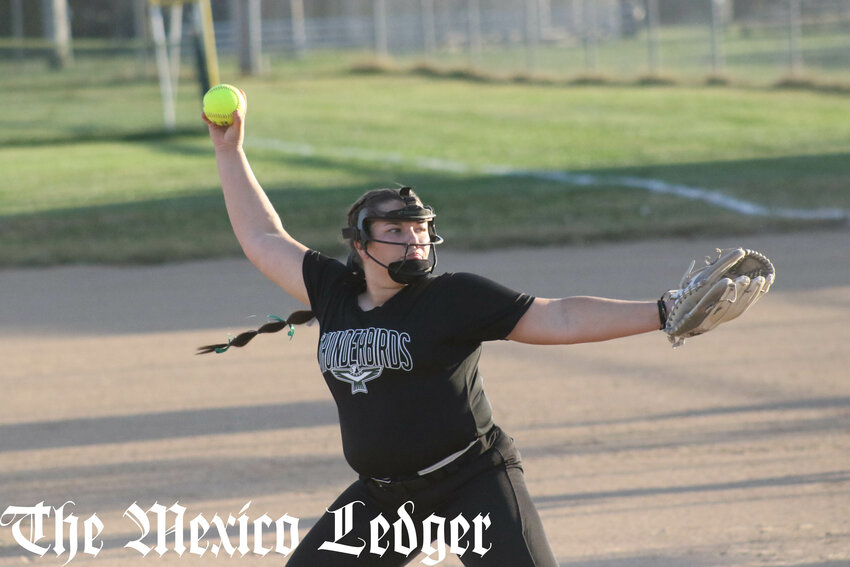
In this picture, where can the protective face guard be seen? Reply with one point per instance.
(403, 271)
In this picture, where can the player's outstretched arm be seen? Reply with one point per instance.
(255, 222)
(574, 320)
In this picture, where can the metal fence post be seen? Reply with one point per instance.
(299, 28)
(429, 28)
(166, 89)
(57, 29)
(379, 9)
(652, 35)
(795, 57)
(17, 17)
(175, 38)
(531, 34)
(588, 34)
(141, 34)
(250, 36)
(473, 9)
(718, 60)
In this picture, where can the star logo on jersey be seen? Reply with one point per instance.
(357, 376)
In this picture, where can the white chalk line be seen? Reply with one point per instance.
(713, 197)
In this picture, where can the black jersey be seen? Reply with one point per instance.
(405, 375)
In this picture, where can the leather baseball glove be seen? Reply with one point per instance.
(715, 293)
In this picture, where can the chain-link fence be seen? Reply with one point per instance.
(755, 41)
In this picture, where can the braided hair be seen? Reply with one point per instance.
(356, 277)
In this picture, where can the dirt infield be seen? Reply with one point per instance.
(731, 451)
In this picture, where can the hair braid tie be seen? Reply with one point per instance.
(276, 324)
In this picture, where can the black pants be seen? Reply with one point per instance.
(488, 485)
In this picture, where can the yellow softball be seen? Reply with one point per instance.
(220, 102)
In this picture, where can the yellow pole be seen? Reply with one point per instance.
(207, 31)
(209, 41)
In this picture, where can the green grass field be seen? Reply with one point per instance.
(92, 177)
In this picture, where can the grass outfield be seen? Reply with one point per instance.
(91, 176)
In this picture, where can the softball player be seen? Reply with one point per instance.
(399, 349)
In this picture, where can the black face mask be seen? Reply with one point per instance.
(407, 271)
(403, 271)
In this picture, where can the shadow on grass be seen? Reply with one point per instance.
(475, 211)
(77, 136)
